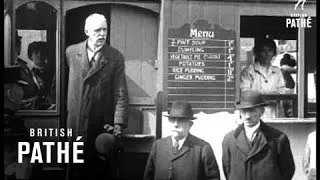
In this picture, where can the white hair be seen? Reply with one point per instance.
(92, 19)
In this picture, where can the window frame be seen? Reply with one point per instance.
(56, 5)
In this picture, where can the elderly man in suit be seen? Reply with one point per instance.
(181, 156)
(97, 92)
(255, 150)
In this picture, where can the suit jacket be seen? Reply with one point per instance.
(195, 160)
(269, 158)
(97, 95)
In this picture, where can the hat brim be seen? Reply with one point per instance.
(191, 118)
(247, 106)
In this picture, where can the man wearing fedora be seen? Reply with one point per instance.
(181, 156)
(255, 150)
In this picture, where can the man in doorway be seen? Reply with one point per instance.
(181, 156)
(97, 93)
(255, 150)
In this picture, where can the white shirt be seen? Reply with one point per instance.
(251, 132)
(180, 142)
(91, 50)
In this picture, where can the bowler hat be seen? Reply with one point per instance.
(12, 74)
(250, 99)
(181, 109)
(104, 143)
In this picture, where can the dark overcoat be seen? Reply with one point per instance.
(268, 158)
(195, 160)
(96, 95)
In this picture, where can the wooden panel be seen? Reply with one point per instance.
(227, 17)
(180, 13)
(212, 12)
(196, 11)
(134, 32)
(118, 28)
(149, 46)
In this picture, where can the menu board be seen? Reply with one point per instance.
(201, 66)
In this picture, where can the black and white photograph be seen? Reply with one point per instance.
(160, 89)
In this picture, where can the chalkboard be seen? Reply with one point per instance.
(201, 64)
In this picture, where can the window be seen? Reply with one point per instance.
(285, 59)
(35, 50)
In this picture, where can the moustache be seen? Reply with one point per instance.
(176, 130)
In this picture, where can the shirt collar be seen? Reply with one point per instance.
(251, 130)
(257, 67)
(181, 141)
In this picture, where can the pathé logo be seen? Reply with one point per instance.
(297, 4)
(299, 20)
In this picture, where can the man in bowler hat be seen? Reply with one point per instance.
(181, 156)
(255, 150)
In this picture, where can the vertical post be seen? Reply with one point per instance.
(162, 62)
(237, 59)
(159, 109)
(301, 72)
(7, 37)
(62, 66)
(13, 33)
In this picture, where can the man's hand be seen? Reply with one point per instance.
(118, 130)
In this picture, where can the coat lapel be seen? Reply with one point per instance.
(82, 56)
(168, 145)
(259, 143)
(241, 141)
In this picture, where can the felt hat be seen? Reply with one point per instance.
(181, 109)
(250, 99)
(104, 143)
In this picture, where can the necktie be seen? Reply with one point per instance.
(94, 59)
(175, 147)
(254, 139)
